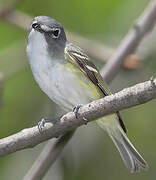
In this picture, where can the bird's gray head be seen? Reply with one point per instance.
(45, 30)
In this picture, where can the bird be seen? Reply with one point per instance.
(69, 78)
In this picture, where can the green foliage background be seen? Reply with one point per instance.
(90, 155)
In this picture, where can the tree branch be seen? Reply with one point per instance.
(9, 8)
(130, 42)
(27, 138)
(47, 157)
(103, 53)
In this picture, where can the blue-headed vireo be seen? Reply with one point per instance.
(66, 74)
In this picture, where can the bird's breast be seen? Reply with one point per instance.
(65, 84)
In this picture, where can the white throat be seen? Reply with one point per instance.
(37, 45)
(43, 66)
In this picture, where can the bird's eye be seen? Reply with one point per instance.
(35, 25)
(56, 33)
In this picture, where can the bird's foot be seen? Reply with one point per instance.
(41, 124)
(76, 109)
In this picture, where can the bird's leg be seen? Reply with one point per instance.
(76, 109)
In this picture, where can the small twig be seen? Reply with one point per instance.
(130, 42)
(5, 11)
(27, 138)
(18, 18)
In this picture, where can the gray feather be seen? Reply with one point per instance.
(132, 159)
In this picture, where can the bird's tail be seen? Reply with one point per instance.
(132, 159)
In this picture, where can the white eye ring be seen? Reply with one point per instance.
(56, 32)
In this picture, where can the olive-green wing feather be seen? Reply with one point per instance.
(76, 56)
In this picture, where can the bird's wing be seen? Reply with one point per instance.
(76, 56)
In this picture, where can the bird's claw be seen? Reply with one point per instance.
(42, 123)
(76, 109)
(152, 78)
